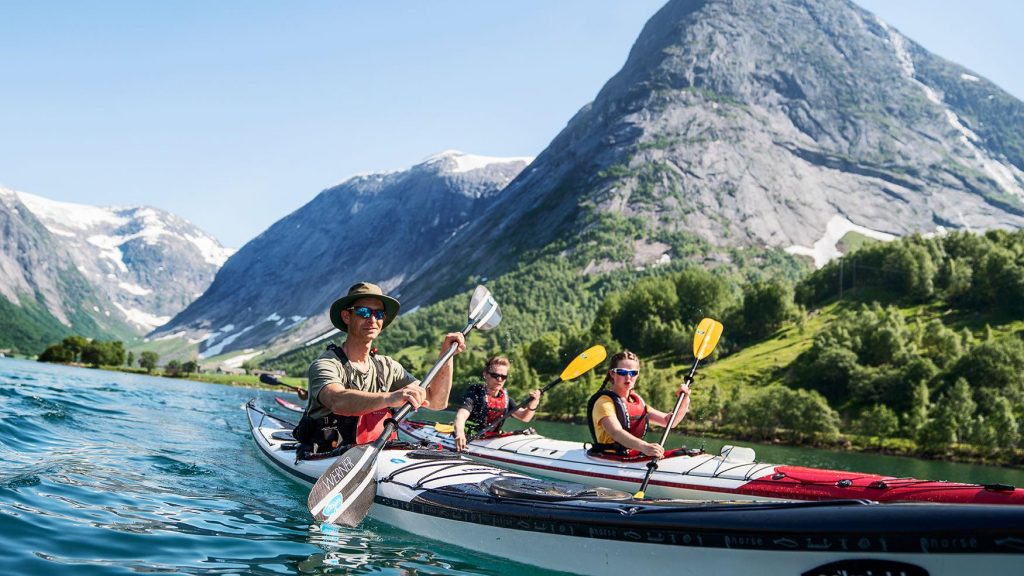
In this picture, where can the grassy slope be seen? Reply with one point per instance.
(764, 362)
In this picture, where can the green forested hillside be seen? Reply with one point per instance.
(912, 346)
(29, 327)
(549, 306)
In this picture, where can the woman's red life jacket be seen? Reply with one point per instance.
(632, 416)
(636, 411)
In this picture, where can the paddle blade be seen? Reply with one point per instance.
(584, 362)
(268, 379)
(344, 493)
(706, 338)
(484, 313)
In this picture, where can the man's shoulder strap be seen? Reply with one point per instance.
(378, 363)
(338, 351)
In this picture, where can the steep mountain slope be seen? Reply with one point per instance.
(148, 263)
(43, 295)
(376, 226)
(98, 272)
(759, 123)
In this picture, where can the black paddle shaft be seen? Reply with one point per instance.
(268, 379)
(653, 464)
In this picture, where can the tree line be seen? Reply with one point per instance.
(76, 349)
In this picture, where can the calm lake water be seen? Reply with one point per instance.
(110, 473)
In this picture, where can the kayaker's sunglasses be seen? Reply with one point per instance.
(498, 376)
(366, 312)
(624, 372)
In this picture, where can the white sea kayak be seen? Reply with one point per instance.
(595, 531)
(732, 474)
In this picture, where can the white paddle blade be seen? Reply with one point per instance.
(345, 491)
(484, 313)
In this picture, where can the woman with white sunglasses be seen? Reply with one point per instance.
(619, 418)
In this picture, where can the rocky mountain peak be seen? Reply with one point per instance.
(148, 263)
(456, 162)
(759, 123)
(372, 226)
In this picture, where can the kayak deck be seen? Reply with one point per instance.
(735, 473)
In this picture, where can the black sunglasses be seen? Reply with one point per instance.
(497, 376)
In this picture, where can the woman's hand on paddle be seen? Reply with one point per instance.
(413, 394)
(684, 388)
(652, 449)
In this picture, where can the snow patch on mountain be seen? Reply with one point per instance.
(211, 251)
(141, 318)
(134, 289)
(59, 217)
(468, 162)
(826, 248)
(237, 361)
(219, 347)
(150, 263)
(1006, 175)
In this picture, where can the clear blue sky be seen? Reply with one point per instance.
(234, 113)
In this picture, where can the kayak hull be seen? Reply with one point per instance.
(568, 527)
(733, 474)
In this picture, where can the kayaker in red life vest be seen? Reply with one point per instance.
(351, 388)
(486, 403)
(617, 415)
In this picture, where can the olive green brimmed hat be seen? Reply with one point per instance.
(363, 290)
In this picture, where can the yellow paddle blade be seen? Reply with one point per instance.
(706, 338)
(584, 362)
(444, 428)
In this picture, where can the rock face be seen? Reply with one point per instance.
(100, 272)
(767, 123)
(757, 123)
(376, 226)
(41, 291)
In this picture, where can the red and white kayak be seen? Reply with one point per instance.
(288, 405)
(600, 532)
(694, 474)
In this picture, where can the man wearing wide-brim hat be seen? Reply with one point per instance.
(351, 388)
